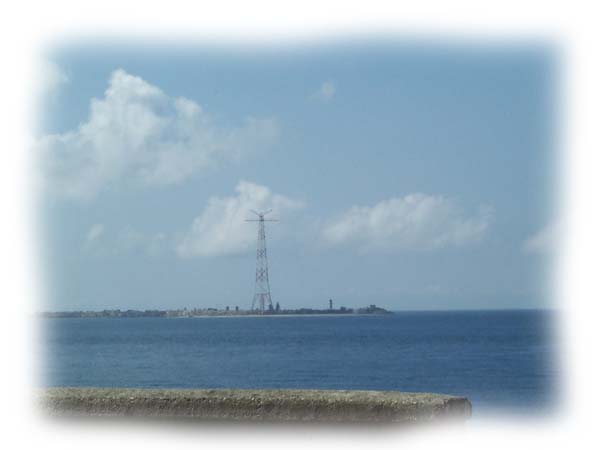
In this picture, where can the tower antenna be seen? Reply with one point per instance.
(262, 291)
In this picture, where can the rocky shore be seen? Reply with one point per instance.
(256, 405)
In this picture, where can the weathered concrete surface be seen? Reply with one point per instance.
(256, 405)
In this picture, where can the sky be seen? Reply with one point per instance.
(411, 176)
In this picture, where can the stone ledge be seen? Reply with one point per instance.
(256, 404)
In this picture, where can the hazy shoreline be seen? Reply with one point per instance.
(218, 316)
(214, 312)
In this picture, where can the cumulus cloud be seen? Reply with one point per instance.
(544, 241)
(138, 134)
(95, 240)
(100, 242)
(325, 93)
(52, 77)
(416, 222)
(221, 228)
(94, 232)
(134, 241)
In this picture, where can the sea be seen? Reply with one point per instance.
(503, 361)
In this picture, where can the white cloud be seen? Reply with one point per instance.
(134, 241)
(325, 93)
(52, 77)
(544, 241)
(95, 239)
(99, 242)
(415, 222)
(221, 228)
(138, 134)
(94, 232)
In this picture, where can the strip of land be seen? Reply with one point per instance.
(213, 312)
(256, 404)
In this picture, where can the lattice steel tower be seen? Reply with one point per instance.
(262, 290)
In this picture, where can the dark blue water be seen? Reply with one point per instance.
(500, 360)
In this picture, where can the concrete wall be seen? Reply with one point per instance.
(251, 405)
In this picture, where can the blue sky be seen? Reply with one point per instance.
(410, 176)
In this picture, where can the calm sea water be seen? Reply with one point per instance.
(500, 360)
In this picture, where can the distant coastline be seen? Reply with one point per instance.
(213, 312)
